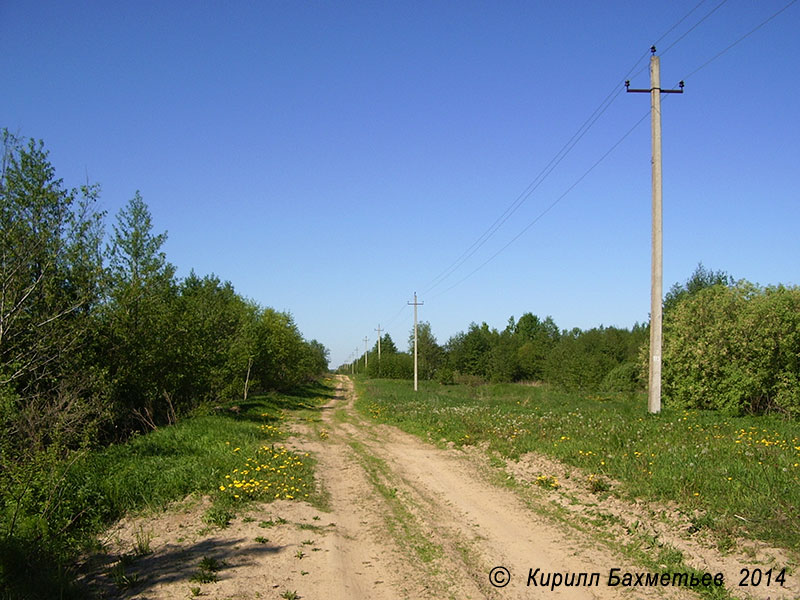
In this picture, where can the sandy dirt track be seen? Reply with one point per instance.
(406, 520)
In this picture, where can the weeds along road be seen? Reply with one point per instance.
(416, 521)
(404, 519)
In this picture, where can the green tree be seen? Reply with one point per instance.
(470, 353)
(430, 356)
(734, 348)
(52, 399)
(50, 281)
(387, 345)
(536, 339)
(141, 334)
(279, 351)
(700, 279)
(383, 368)
(209, 318)
(581, 360)
(316, 360)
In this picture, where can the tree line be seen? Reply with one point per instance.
(530, 349)
(728, 345)
(98, 336)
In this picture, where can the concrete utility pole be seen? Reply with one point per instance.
(656, 270)
(415, 304)
(379, 346)
(366, 353)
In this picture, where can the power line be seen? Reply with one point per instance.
(671, 29)
(656, 269)
(554, 162)
(549, 208)
(686, 16)
(609, 151)
(742, 38)
(415, 304)
(567, 147)
(559, 157)
(693, 27)
(529, 191)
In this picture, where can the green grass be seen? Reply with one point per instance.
(742, 473)
(207, 570)
(401, 522)
(231, 452)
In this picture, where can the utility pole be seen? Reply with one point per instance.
(379, 348)
(656, 269)
(415, 304)
(366, 339)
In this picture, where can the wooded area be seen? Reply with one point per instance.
(99, 339)
(728, 345)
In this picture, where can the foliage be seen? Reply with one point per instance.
(387, 344)
(700, 279)
(83, 494)
(582, 360)
(393, 365)
(430, 356)
(625, 377)
(537, 338)
(50, 274)
(97, 347)
(734, 348)
(531, 349)
(138, 320)
(470, 352)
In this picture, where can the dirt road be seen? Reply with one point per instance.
(405, 519)
(430, 523)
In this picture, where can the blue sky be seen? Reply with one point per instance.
(331, 158)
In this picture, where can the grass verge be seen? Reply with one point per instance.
(231, 452)
(741, 473)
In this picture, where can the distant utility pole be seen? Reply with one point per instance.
(656, 271)
(415, 304)
(366, 339)
(379, 347)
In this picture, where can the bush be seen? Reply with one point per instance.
(581, 360)
(468, 379)
(445, 376)
(735, 349)
(392, 366)
(623, 378)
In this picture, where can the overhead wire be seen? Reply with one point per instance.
(586, 173)
(550, 206)
(693, 27)
(569, 145)
(740, 39)
(537, 181)
(555, 161)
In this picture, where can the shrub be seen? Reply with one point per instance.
(735, 349)
(622, 378)
(445, 376)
